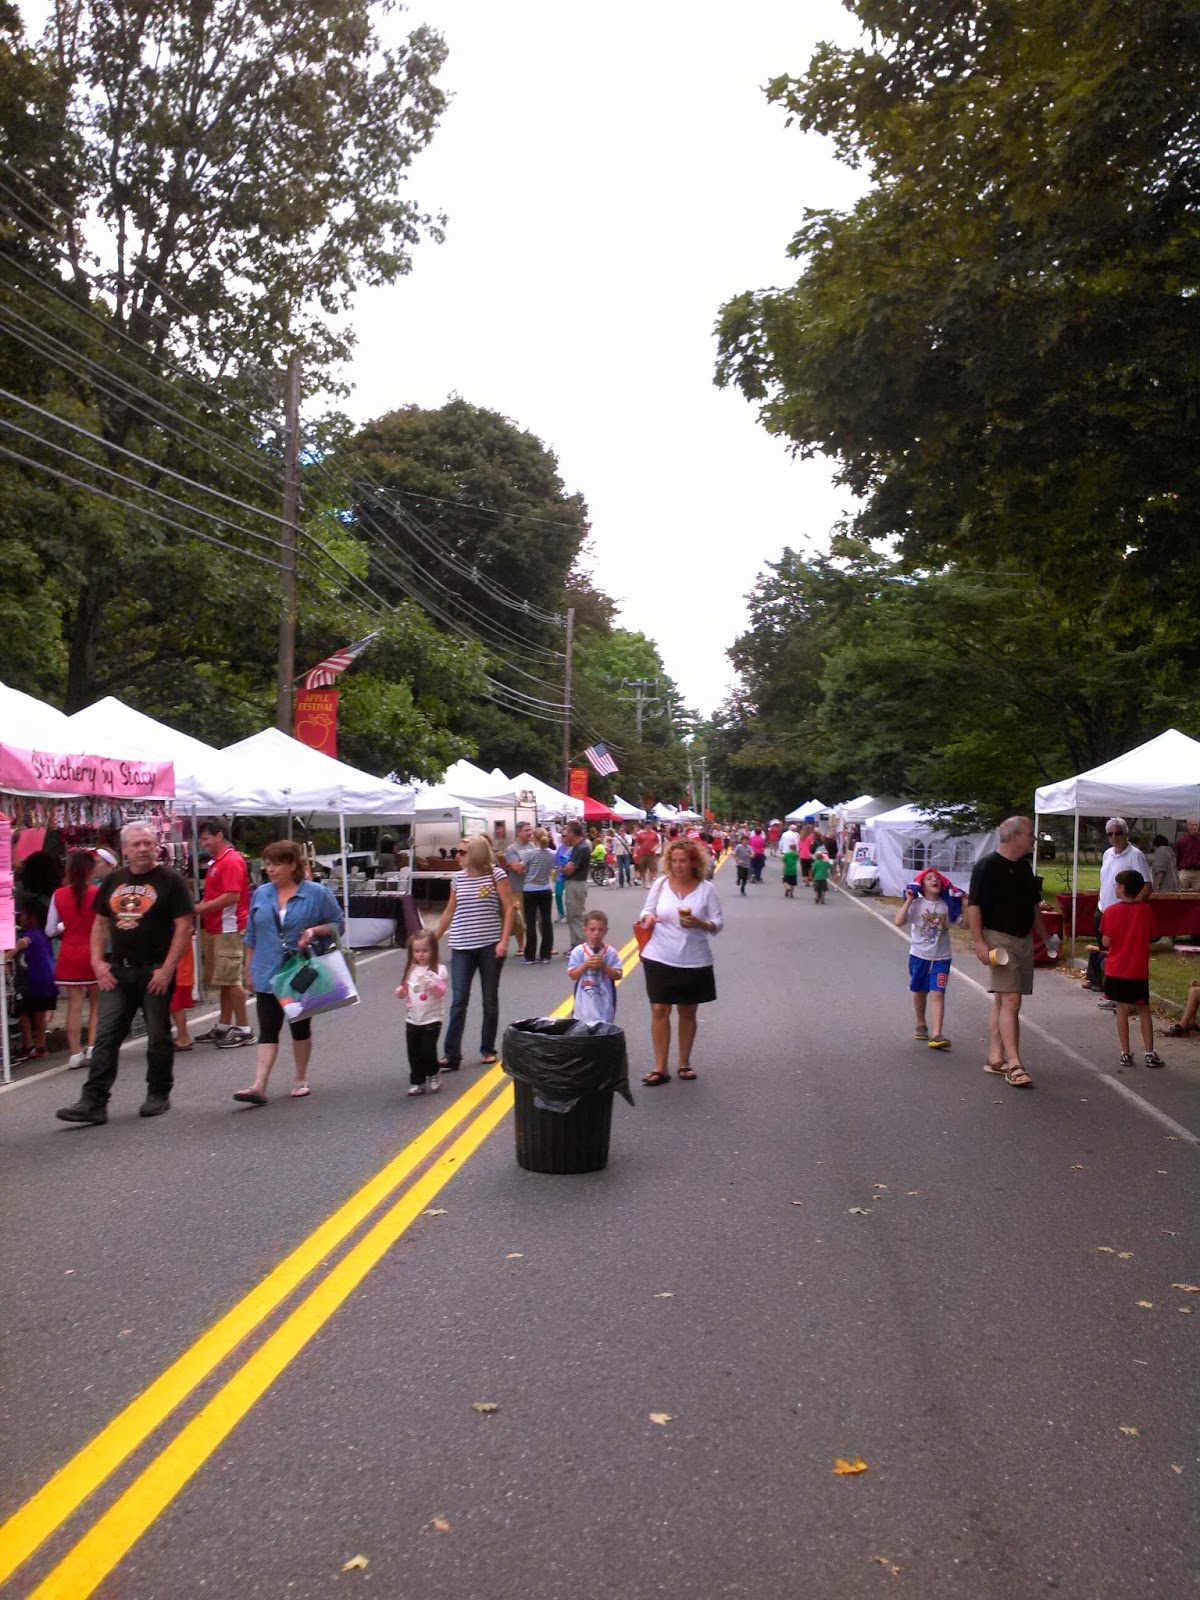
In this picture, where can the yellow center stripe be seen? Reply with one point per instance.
(95, 1555)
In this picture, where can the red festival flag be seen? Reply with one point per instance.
(316, 719)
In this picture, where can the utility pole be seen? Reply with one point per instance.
(567, 698)
(291, 527)
(639, 698)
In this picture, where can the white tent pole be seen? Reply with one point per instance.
(197, 941)
(345, 871)
(1075, 880)
(1036, 825)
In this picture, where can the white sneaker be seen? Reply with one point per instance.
(417, 1088)
(432, 1085)
(79, 1059)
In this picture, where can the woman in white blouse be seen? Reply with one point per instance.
(682, 909)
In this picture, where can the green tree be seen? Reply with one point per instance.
(999, 344)
(248, 159)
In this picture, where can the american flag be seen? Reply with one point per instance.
(325, 672)
(598, 755)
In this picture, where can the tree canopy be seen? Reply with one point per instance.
(998, 347)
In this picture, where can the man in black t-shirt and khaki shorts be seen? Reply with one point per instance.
(143, 925)
(1003, 911)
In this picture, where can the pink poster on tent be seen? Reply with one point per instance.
(46, 772)
(8, 909)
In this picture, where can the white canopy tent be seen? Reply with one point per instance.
(664, 812)
(31, 724)
(625, 811)
(806, 812)
(865, 806)
(907, 840)
(121, 727)
(551, 803)
(271, 774)
(1160, 778)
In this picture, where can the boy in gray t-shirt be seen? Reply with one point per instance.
(926, 914)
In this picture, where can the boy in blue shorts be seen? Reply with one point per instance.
(927, 912)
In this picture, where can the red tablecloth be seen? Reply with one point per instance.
(1175, 915)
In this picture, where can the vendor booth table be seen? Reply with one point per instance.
(1175, 915)
(381, 917)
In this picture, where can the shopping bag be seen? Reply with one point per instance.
(328, 989)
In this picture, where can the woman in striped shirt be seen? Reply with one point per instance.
(479, 918)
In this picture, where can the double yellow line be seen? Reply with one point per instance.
(110, 1538)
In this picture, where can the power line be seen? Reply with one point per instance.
(129, 505)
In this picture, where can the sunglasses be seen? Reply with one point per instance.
(1115, 833)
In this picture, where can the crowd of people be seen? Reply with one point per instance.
(125, 931)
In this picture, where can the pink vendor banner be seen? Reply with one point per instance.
(46, 772)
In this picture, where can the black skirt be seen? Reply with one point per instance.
(678, 986)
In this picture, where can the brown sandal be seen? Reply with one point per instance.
(998, 1068)
(1018, 1077)
(653, 1079)
(685, 1072)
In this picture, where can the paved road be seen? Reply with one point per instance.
(967, 1337)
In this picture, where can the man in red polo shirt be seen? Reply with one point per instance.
(1187, 856)
(223, 913)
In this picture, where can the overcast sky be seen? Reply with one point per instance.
(611, 176)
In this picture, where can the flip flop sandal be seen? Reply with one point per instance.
(685, 1072)
(1018, 1077)
(997, 1068)
(653, 1079)
(300, 1091)
(489, 1058)
(250, 1097)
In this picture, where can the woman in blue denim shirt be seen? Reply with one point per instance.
(286, 914)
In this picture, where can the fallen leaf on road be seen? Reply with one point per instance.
(661, 1417)
(879, 1186)
(797, 1202)
(912, 1192)
(1130, 1433)
(439, 1212)
(356, 1564)
(1188, 1288)
(514, 1255)
(1124, 1255)
(1076, 1169)
(1174, 1468)
(665, 1294)
(486, 1406)
(440, 1524)
(847, 1469)
(859, 1211)
(1161, 1171)
(1146, 1305)
(883, 1561)
(1187, 1310)
(123, 1332)
(69, 1273)
(1106, 1249)
(1170, 1233)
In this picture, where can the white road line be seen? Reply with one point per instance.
(1029, 1026)
(140, 1044)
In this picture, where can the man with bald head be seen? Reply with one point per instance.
(1003, 911)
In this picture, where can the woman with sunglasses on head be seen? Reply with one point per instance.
(479, 920)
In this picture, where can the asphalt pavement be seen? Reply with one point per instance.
(243, 1348)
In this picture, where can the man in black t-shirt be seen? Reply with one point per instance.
(575, 879)
(1003, 909)
(142, 927)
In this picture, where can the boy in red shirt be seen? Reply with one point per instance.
(1126, 930)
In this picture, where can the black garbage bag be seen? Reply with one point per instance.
(562, 1060)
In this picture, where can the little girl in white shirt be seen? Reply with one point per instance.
(423, 989)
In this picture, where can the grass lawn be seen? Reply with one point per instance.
(1056, 877)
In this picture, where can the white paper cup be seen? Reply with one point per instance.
(999, 956)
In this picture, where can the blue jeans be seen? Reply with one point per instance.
(464, 964)
(118, 1007)
(624, 871)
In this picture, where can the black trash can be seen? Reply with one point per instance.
(565, 1074)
